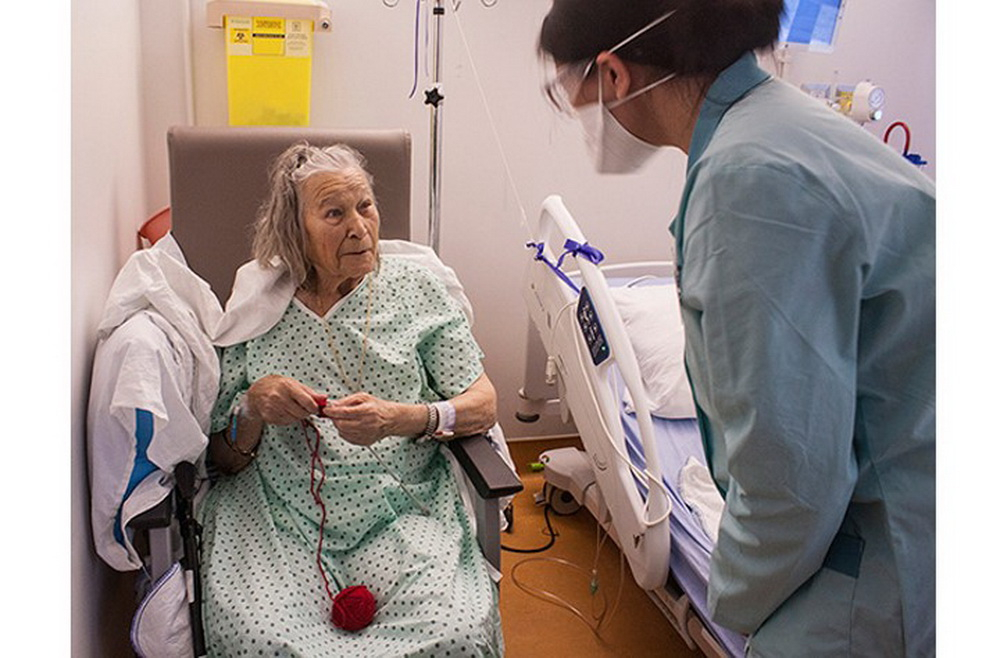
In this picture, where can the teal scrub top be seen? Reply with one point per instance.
(805, 252)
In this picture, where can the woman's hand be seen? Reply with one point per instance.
(274, 400)
(363, 419)
(278, 400)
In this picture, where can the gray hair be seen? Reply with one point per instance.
(278, 230)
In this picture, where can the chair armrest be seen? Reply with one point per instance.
(159, 516)
(162, 515)
(488, 472)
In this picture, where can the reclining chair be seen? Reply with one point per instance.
(218, 178)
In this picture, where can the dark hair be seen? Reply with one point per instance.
(703, 37)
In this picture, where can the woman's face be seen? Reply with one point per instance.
(341, 223)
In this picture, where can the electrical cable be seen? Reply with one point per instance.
(552, 536)
(548, 522)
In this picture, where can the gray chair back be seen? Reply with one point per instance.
(218, 180)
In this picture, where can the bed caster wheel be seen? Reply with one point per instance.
(562, 502)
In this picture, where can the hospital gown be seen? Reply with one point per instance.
(263, 591)
(806, 274)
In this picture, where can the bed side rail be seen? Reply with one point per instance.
(644, 526)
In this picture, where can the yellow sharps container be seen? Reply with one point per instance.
(269, 59)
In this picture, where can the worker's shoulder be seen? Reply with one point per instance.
(777, 132)
(778, 125)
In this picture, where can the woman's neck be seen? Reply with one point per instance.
(675, 109)
(319, 293)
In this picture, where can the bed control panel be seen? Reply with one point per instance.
(590, 325)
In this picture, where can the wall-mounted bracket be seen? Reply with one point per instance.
(312, 10)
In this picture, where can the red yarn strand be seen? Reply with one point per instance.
(316, 463)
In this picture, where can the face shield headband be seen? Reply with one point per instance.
(565, 87)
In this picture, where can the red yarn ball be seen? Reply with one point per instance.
(353, 608)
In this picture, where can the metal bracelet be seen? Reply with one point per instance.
(433, 419)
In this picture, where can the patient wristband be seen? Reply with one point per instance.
(446, 420)
(440, 422)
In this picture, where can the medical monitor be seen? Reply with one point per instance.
(811, 23)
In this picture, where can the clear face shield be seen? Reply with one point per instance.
(564, 81)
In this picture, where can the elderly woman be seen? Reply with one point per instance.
(354, 492)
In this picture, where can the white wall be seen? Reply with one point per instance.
(362, 74)
(125, 91)
(108, 195)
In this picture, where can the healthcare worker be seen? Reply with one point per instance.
(805, 253)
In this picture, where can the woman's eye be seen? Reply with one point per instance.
(334, 213)
(365, 206)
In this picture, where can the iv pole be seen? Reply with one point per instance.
(435, 99)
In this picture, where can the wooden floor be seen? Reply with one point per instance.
(533, 627)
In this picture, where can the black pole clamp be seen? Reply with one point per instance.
(433, 97)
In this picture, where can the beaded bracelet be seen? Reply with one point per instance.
(432, 423)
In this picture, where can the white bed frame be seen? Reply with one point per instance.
(642, 534)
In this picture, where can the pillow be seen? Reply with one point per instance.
(653, 321)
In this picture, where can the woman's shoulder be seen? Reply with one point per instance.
(397, 267)
(415, 270)
(409, 278)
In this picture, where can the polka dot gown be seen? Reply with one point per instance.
(263, 592)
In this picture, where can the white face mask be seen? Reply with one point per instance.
(613, 149)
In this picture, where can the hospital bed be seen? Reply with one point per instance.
(591, 358)
(218, 177)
